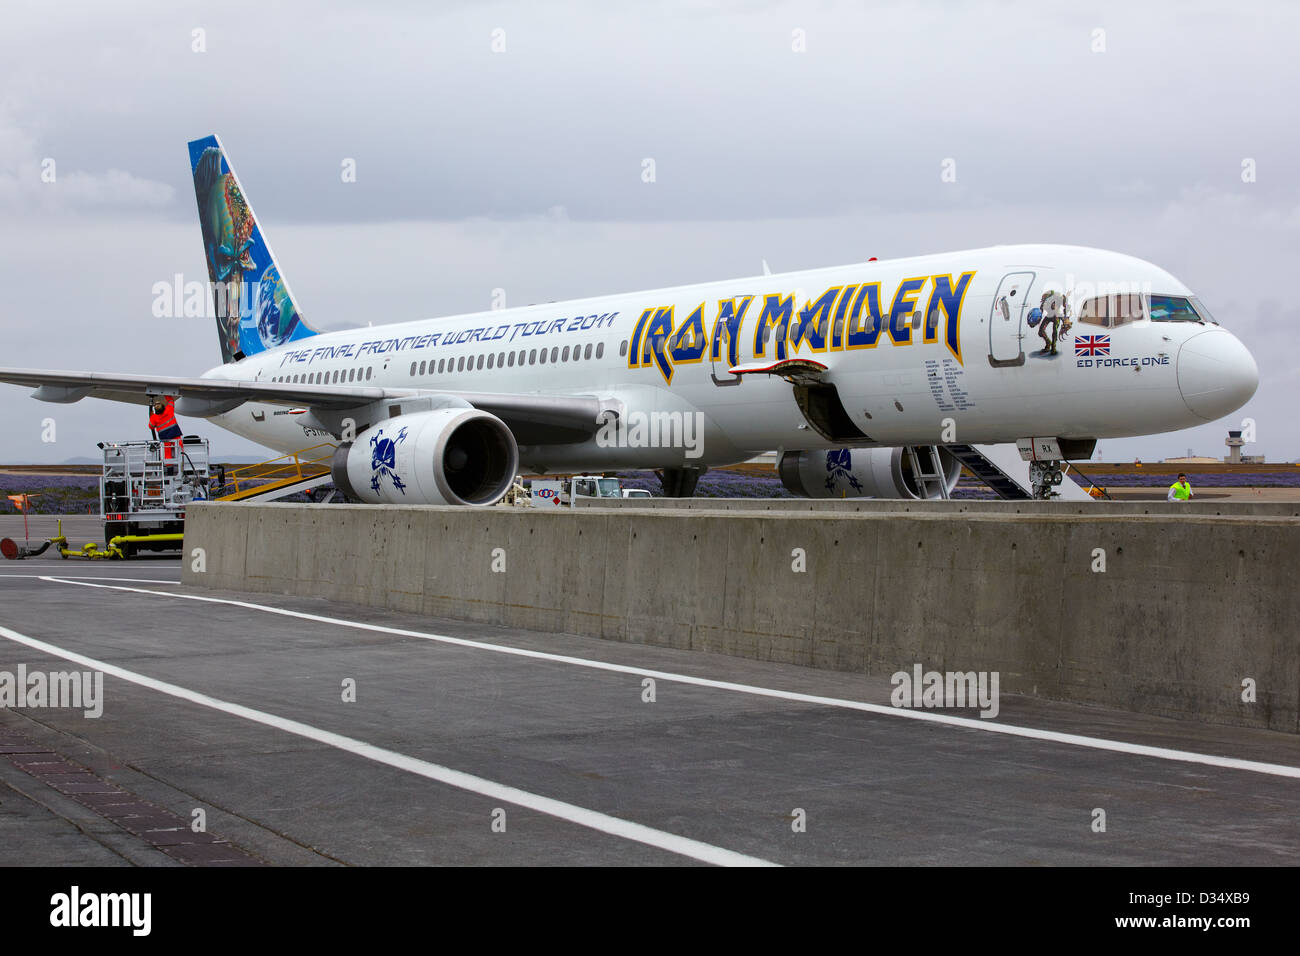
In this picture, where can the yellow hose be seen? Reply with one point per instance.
(114, 549)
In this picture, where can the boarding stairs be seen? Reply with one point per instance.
(1002, 469)
(278, 477)
(925, 480)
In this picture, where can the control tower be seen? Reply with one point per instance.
(1234, 443)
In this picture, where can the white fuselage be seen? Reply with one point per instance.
(911, 362)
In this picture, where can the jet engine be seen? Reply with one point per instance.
(865, 472)
(449, 456)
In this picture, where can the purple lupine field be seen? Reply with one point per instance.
(79, 494)
(66, 494)
(1213, 479)
(51, 494)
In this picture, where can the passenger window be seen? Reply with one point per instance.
(369, 370)
(460, 365)
(412, 368)
(622, 349)
(600, 349)
(512, 360)
(421, 368)
(542, 359)
(441, 363)
(501, 360)
(480, 362)
(491, 360)
(555, 354)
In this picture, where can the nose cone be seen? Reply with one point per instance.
(1216, 374)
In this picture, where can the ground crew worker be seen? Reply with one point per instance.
(1180, 490)
(162, 424)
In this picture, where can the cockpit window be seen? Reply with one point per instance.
(1109, 311)
(1202, 311)
(1173, 308)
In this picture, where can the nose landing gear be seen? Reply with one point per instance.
(1043, 475)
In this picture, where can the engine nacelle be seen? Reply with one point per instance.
(450, 456)
(862, 473)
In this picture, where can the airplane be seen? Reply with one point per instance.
(841, 370)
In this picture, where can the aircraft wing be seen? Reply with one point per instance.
(533, 417)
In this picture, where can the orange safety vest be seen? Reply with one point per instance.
(167, 419)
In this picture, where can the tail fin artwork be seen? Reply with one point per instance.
(255, 309)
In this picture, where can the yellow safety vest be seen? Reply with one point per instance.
(1182, 491)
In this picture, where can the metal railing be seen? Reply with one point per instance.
(251, 480)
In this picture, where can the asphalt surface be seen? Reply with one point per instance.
(459, 750)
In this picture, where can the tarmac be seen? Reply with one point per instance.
(479, 744)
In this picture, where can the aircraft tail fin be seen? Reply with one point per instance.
(255, 309)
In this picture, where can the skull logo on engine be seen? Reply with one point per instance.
(383, 460)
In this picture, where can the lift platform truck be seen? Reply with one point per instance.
(144, 491)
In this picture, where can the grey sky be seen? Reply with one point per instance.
(522, 169)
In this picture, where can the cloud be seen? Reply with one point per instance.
(522, 170)
(35, 184)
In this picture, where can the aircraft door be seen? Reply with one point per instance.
(1007, 328)
(727, 346)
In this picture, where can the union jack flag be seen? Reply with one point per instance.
(1092, 345)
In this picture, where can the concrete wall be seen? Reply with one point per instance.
(953, 506)
(1189, 604)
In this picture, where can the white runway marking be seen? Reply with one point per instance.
(592, 819)
(89, 577)
(988, 726)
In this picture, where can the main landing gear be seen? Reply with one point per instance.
(679, 482)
